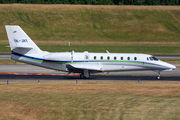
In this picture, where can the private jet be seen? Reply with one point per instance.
(25, 50)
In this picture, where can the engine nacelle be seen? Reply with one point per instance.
(58, 56)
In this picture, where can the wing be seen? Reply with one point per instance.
(79, 67)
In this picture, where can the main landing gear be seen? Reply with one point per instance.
(85, 74)
(82, 76)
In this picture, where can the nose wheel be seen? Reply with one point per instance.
(159, 76)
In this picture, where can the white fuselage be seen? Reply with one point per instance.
(94, 62)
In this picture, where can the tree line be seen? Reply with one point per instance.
(97, 2)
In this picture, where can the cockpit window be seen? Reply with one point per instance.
(153, 58)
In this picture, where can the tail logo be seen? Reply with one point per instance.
(21, 41)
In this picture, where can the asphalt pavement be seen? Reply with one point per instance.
(34, 73)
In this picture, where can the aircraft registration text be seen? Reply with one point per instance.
(22, 40)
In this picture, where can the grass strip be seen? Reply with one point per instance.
(90, 100)
(9, 62)
(155, 50)
(93, 23)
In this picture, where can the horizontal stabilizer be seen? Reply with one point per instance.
(26, 46)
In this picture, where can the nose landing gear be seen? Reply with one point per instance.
(159, 76)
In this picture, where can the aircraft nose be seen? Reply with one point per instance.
(169, 66)
(172, 66)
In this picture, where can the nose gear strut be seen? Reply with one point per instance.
(159, 76)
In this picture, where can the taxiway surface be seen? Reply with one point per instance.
(19, 73)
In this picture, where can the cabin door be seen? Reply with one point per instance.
(86, 56)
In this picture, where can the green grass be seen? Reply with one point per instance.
(4, 49)
(115, 49)
(95, 23)
(9, 62)
(166, 50)
(86, 23)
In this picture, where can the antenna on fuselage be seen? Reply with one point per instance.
(107, 51)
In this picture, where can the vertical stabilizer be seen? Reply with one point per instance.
(19, 41)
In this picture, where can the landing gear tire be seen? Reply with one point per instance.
(82, 76)
(158, 77)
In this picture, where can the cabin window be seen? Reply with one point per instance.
(115, 58)
(151, 58)
(135, 58)
(121, 58)
(101, 57)
(108, 57)
(147, 58)
(94, 57)
(128, 58)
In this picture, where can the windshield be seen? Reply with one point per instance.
(153, 58)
